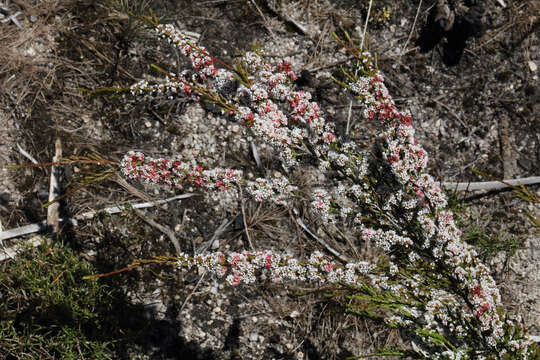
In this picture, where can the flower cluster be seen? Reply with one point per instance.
(277, 190)
(244, 267)
(255, 102)
(268, 88)
(176, 173)
(385, 191)
(440, 237)
(199, 57)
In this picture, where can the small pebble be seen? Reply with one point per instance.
(294, 314)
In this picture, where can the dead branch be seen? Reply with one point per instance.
(490, 185)
(55, 189)
(164, 229)
(42, 225)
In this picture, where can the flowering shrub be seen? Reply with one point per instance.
(433, 285)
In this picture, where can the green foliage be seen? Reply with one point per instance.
(488, 242)
(491, 243)
(47, 311)
(527, 195)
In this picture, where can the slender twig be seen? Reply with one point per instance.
(244, 219)
(118, 209)
(133, 190)
(127, 268)
(26, 154)
(264, 18)
(55, 190)
(66, 162)
(192, 292)
(164, 229)
(365, 25)
(412, 29)
(224, 225)
(324, 243)
(42, 225)
(451, 112)
(491, 185)
(349, 114)
(256, 156)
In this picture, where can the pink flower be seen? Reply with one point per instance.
(268, 263)
(482, 309)
(329, 137)
(477, 290)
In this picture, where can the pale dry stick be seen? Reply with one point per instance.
(365, 25)
(334, 64)
(501, 31)
(54, 189)
(70, 131)
(10, 17)
(29, 229)
(32, 228)
(2, 247)
(491, 185)
(349, 114)
(299, 27)
(42, 225)
(301, 342)
(246, 316)
(26, 154)
(117, 209)
(13, 251)
(190, 35)
(256, 156)
(370, 334)
(507, 143)
(412, 30)
(133, 190)
(318, 44)
(351, 245)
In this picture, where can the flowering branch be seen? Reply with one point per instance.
(432, 284)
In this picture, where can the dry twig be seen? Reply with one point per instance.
(53, 217)
(324, 243)
(42, 225)
(164, 229)
(491, 185)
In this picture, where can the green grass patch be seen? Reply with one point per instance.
(47, 311)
